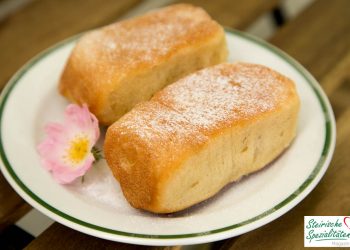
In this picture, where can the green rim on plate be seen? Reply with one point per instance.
(326, 148)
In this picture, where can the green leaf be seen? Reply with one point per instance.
(98, 155)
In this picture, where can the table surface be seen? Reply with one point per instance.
(319, 38)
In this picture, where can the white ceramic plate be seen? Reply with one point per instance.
(97, 206)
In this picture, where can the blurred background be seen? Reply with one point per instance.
(315, 32)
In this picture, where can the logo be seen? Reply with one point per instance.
(327, 231)
(346, 223)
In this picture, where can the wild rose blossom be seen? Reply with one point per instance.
(67, 149)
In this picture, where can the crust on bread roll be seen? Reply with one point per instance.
(201, 133)
(115, 67)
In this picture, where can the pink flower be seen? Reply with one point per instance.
(66, 151)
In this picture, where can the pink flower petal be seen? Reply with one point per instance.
(56, 131)
(53, 149)
(83, 120)
(65, 175)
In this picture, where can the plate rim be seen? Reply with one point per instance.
(301, 192)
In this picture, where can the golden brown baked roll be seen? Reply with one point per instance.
(117, 66)
(201, 133)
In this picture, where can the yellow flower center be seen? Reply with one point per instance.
(78, 150)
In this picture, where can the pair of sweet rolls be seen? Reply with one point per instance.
(183, 124)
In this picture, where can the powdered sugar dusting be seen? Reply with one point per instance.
(146, 40)
(154, 124)
(182, 117)
(224, 94)
(156, 121)
(207, 101)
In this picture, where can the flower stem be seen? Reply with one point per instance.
(97, 153)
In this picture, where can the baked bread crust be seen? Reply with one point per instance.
(201, 133)
(115, 67)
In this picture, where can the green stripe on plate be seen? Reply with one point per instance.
(328, 129)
